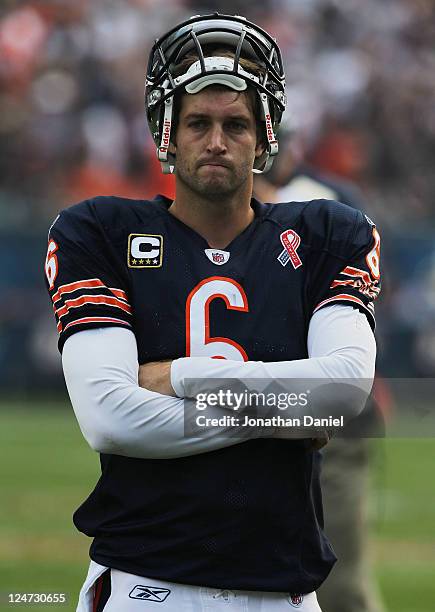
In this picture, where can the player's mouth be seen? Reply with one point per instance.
(214, 164)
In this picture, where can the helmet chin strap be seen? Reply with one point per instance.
(264, 162)
(163, 154)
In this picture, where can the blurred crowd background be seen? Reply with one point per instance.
(361, 92)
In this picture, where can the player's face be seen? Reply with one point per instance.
(216, 142)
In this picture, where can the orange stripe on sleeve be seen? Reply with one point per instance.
(92, 299)
(70, 287)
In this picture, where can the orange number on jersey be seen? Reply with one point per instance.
(51, 263)
(198, 341)
(373, 257)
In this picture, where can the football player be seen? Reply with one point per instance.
(216, 285)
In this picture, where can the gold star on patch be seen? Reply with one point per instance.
(141, 261)
(134, 261)
(148, 261)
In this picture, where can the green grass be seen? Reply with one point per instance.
(404, 532)
(46, 470)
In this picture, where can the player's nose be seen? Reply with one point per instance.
(216, 140)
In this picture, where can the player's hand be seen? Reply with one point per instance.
(156, 376)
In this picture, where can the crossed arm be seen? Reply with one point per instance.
(118, 416)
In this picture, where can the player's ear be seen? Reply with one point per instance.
(260, 147)
(172, 148)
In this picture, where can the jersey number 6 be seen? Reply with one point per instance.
(373, 257)
(51, 263)
(198, 341)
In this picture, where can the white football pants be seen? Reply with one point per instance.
(132, 593)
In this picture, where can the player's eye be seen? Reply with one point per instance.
(237, 126)
(197, 124)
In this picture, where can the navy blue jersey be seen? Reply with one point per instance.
(244, 517)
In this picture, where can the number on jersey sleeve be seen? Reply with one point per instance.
(350, 275)
(85, 283)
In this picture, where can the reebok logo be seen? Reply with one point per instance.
(149, 593)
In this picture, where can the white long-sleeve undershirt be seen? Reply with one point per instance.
(340, 345)
(117, 416)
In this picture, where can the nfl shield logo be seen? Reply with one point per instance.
(296, 600)
(218, 257)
